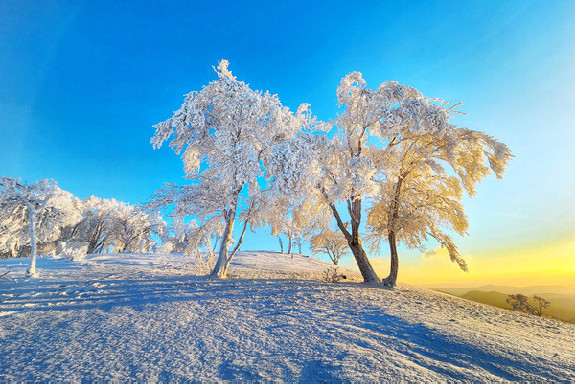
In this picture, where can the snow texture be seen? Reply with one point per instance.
(144, 317)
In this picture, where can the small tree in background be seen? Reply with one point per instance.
(331, 243)
(521, 303)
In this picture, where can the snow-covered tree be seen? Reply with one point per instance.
(225, 132)
(133, 229)
(331, 243)
(96, 226)
(110, 224)
(32, 213)
(399, 150)
(397, 158)
(284, 222)
(291, 205)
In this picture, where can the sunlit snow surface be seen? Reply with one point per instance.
(145, 318)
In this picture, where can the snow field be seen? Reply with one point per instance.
(144, 318)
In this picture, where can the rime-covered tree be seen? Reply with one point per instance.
(400, 150)
(429, 164)
(290, 207)
(331, 243)
(133, 229)
(110, 224)
(96, 226)
(224, 132)
(397, 158)
(32, 213)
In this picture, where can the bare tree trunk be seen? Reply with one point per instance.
(365, 268)
(281, 243)
(333, 258)
(236, 248)
(32, 216)
(391, 280)
(289, 244)
(96, 242)
(220, 268)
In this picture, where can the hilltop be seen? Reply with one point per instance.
(146, 318)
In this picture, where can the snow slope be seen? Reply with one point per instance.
(145, 318)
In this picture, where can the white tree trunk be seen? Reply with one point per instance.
(220, 268)
(32, 216)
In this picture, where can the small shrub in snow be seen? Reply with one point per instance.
(331, 275)
(73, 250)
(167, 247)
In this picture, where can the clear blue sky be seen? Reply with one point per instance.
(82, 83)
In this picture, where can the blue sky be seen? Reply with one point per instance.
(82, 83)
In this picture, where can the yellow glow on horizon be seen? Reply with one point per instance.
(544, 264)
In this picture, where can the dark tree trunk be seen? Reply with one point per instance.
(391, 280)
(365, 268)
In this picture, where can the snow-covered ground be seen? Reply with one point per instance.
(145, 318)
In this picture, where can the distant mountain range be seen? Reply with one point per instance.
(562, 298)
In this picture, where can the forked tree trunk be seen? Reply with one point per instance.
(236, 248)
(224, 258)
(220, 269)
(333, 257)
(365, 268)
(32, 215)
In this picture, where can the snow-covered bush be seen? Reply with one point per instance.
(74, 251)
(165, 247)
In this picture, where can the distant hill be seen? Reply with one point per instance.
(530, 291)
(562, 304)
(497, 299)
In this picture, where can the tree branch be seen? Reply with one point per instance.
(237, 247)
